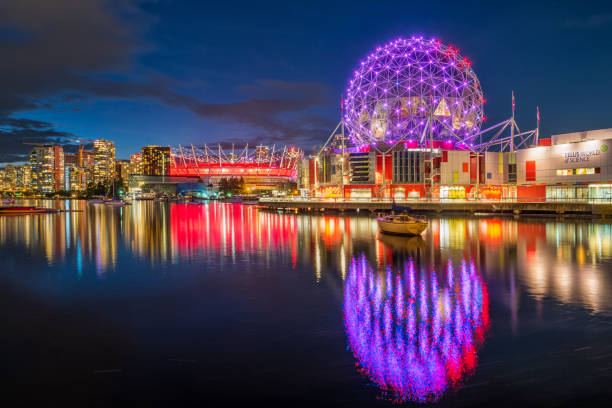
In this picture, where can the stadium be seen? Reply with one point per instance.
(261, 167)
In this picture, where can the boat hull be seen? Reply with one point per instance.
(401, 228)
(27, 210)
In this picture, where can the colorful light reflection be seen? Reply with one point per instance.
(415, 334)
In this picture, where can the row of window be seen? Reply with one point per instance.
(578, 172)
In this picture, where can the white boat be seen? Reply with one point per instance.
(401, 224)
(146, 196)
(115, 203)
(98, 200)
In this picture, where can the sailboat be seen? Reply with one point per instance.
(115, 201)
(97, 200)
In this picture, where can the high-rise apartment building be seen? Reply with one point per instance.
(23, 177)
(104, 161)
(136, 163)
(58, 168)
(43, 176)
(3, 181)
(122, 169)
(155, 160)
(75, 178)
(87, 159)
(9, 177)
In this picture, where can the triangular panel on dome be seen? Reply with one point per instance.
(457, 123)
(442, 109)
(405, 107)
(364, 118)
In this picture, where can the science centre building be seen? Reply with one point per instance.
(412, 127)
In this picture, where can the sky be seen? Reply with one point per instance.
(167, 72)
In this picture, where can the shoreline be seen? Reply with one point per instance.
(602, 210)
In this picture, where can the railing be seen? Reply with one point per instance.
(436, 200)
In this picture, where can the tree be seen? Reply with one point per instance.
(96, 189)
(231, 186)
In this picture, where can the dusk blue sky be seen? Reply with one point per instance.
(168, 72)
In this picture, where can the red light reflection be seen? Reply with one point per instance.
(415, 334)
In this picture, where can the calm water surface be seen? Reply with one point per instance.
(224, 304)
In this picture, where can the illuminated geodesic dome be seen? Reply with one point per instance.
(410, 87)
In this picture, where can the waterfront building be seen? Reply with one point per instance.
(103, 161)
(3, 183)
(47, 163)
(23, 177)
(122, 169)
(413, 137)
(71, 159)
(75, 178)
(571, 166)
(8, 178)
(135, 164)
(58, 168)
(76, 175)
(87, 159)
(156, 160)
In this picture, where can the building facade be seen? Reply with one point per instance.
(122, 169)
(156, 160)
(574, 166)
(135, 164)
(8, 178)
(103, 161)
(567, 167)
(42, 160)
(23, 180)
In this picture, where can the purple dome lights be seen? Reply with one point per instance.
(415, 334)
(411, 87)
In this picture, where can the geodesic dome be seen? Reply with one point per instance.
(410, 87)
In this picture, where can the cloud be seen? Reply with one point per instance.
(54, 44)
(15, 132)
(65, 51)
(274, 110)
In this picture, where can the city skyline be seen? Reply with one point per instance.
(161, 79)
(364, 204)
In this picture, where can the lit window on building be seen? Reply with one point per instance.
(579, 171)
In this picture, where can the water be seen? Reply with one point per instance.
(224, 304)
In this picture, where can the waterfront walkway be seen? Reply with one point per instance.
(602, 209)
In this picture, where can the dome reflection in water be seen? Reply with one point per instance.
(415, 333)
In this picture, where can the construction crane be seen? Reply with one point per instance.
(81, 147)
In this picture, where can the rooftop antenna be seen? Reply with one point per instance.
(512, 126)
(537, 135)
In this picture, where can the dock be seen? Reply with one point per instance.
(596, 209)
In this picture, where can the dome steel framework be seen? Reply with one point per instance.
(414, 89)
